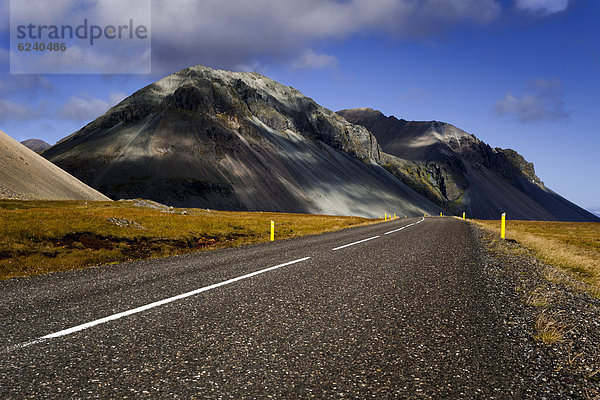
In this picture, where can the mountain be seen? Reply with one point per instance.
(28, 176)
(460, 173)
(236, 141)
(37, 145)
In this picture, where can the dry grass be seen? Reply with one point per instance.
(548, 330)
(574, 247)
(539, 297)
(38, 237)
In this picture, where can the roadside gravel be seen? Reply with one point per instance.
(533, 296)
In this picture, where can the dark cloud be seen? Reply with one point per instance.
(229, 33)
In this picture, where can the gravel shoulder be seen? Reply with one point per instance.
(548, 317)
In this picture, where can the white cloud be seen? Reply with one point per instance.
(79, 109)
(27, 85)
(542, 7)
(83, 108)
(4, 56)
(50, 10)
(116, 97)
(86, 108)
(308, 59)
(13, 111)
(543, 102)
(99, 59)
(105, 56)
(251, 66)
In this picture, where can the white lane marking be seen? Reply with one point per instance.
(404, 227)
(352, 244)
(151, 305)
(397, 230)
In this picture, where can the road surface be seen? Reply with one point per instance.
(395, 310)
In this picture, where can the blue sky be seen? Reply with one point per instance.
(522, 74)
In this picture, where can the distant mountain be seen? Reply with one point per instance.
(241, 141)
(235, 141)
(37, 145)
(26, 175)
(460, 173)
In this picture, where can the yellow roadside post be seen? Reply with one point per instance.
(503, 226)
(272, 231)
(440, 213)
(394, 215)
(463, 215)
(385, 216)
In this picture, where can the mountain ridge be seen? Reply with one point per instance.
(460, 173)
(25, 175)
(238, 141)
(37, 145)
(241, 141)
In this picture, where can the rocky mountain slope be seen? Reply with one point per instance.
(37, 145)
(460, 173)
(236, 141)
(26, 175)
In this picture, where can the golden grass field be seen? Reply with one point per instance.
(574, 247)
(38, 237)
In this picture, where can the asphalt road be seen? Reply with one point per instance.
(402, 315)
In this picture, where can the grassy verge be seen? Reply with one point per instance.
(38, 237)
(574, 247)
